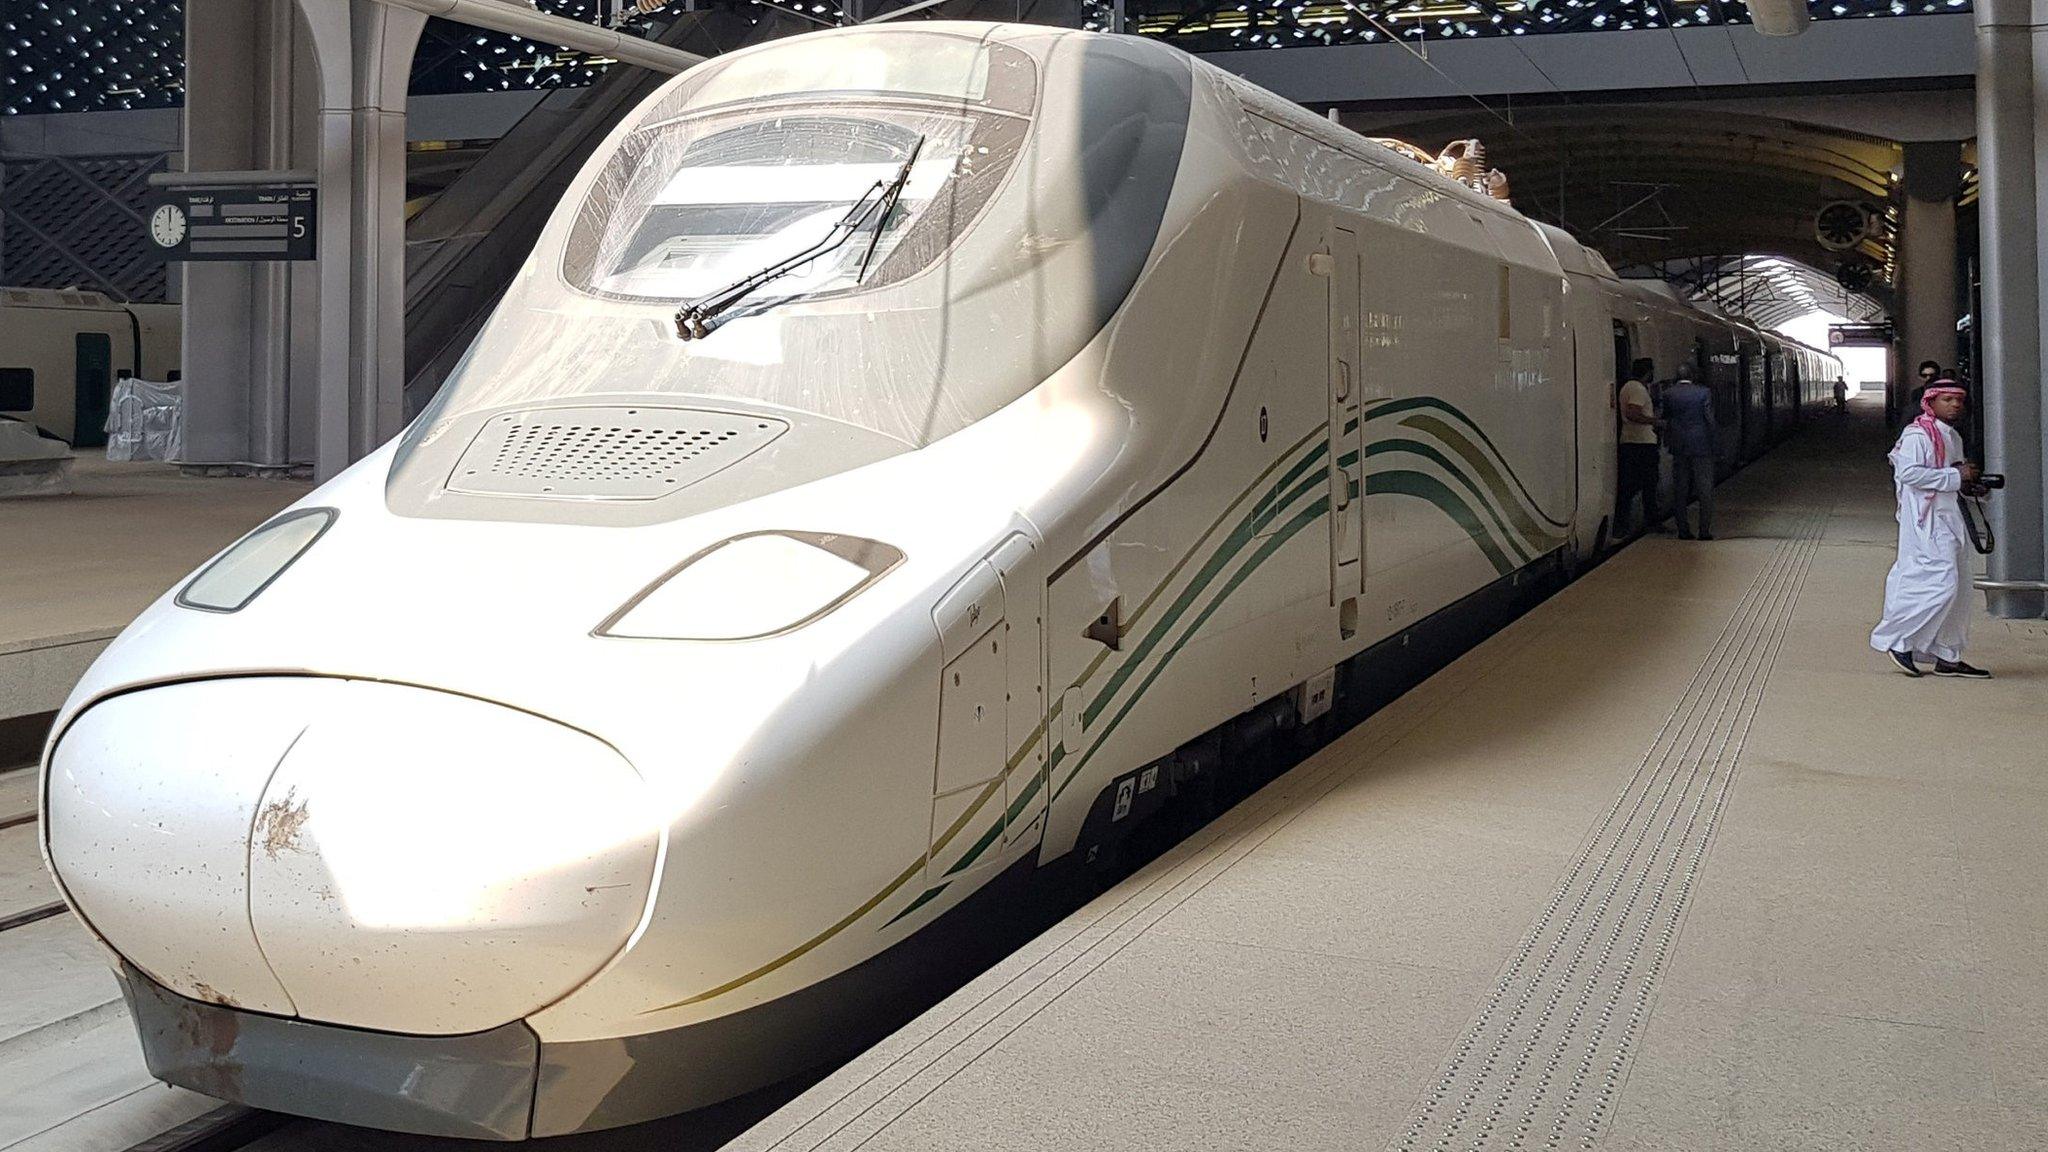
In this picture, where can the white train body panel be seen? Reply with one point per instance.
(1194, 398)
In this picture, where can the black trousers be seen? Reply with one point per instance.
(1638, 478)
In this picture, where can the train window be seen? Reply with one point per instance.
(17, 389)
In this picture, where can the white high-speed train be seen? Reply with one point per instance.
(903, 451)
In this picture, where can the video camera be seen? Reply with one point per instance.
(1978, 525)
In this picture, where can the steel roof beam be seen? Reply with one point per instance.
(500, 16)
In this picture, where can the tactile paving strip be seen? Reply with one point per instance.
(1541, 1066)
(855, 1105)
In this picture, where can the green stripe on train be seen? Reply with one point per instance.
(1398, 482)
(1396, 407)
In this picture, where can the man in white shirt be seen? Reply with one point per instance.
(1638, 450)
(1926, 596)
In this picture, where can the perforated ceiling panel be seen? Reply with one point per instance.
(609, 453)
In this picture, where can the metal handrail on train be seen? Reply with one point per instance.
(2010, 585)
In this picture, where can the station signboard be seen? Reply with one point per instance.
(249, 222)
(1859, 335)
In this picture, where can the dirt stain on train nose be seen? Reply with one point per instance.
(213, 1033)
(280, 823)
(212, 995)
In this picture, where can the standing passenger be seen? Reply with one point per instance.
(1926, 602)
(1841, 396)
(1929, 373)
(1694, 440)
(1638, 449)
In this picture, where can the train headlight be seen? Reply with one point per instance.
(241, 573)
(752, 586)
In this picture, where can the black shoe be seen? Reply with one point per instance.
(1904, 662)
(1706, 535)
(1944, 668)
(1684, 535)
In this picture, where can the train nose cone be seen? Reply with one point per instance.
(423, 862)
(413, 861)
(150, 798)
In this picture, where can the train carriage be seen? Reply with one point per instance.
(904, 452)
(62, 350)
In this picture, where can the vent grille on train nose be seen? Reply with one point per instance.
(610, 453)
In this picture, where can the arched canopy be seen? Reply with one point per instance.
(1650, 185)
(1770, 290)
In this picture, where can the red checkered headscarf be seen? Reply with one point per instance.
(1927, 422)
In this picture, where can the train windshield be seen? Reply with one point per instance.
(749, 174)
(745, 196)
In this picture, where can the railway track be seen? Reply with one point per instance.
(18, 812)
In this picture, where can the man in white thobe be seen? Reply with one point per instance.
(1926, 601)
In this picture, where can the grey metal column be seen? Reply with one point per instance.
(221, 98)
(270, 351)
(2007, 155)
(385, 38)
(328, 26)
(240, 116)
(364, 52)
(1927, 252)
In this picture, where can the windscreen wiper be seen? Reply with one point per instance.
(694, 320)
(889, 198)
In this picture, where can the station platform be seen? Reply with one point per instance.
(75, 569)
(1673, 862)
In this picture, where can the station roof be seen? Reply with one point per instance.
(1221, 25)
(1771, 290)
(111, 55)
(1650, 185)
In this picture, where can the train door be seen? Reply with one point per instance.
(1347, 456)
(1026, 790)
(1624, 359)
(990, 635)
(1745, 415)
(1771, 371)
(1756, 393)
(95, 391)
(1594, 337)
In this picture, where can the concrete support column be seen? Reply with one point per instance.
(2009, 151)
(241, 113)
(1927, 253)
(385, 39)
(223, 62)
(271, 281)
(364, 52)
